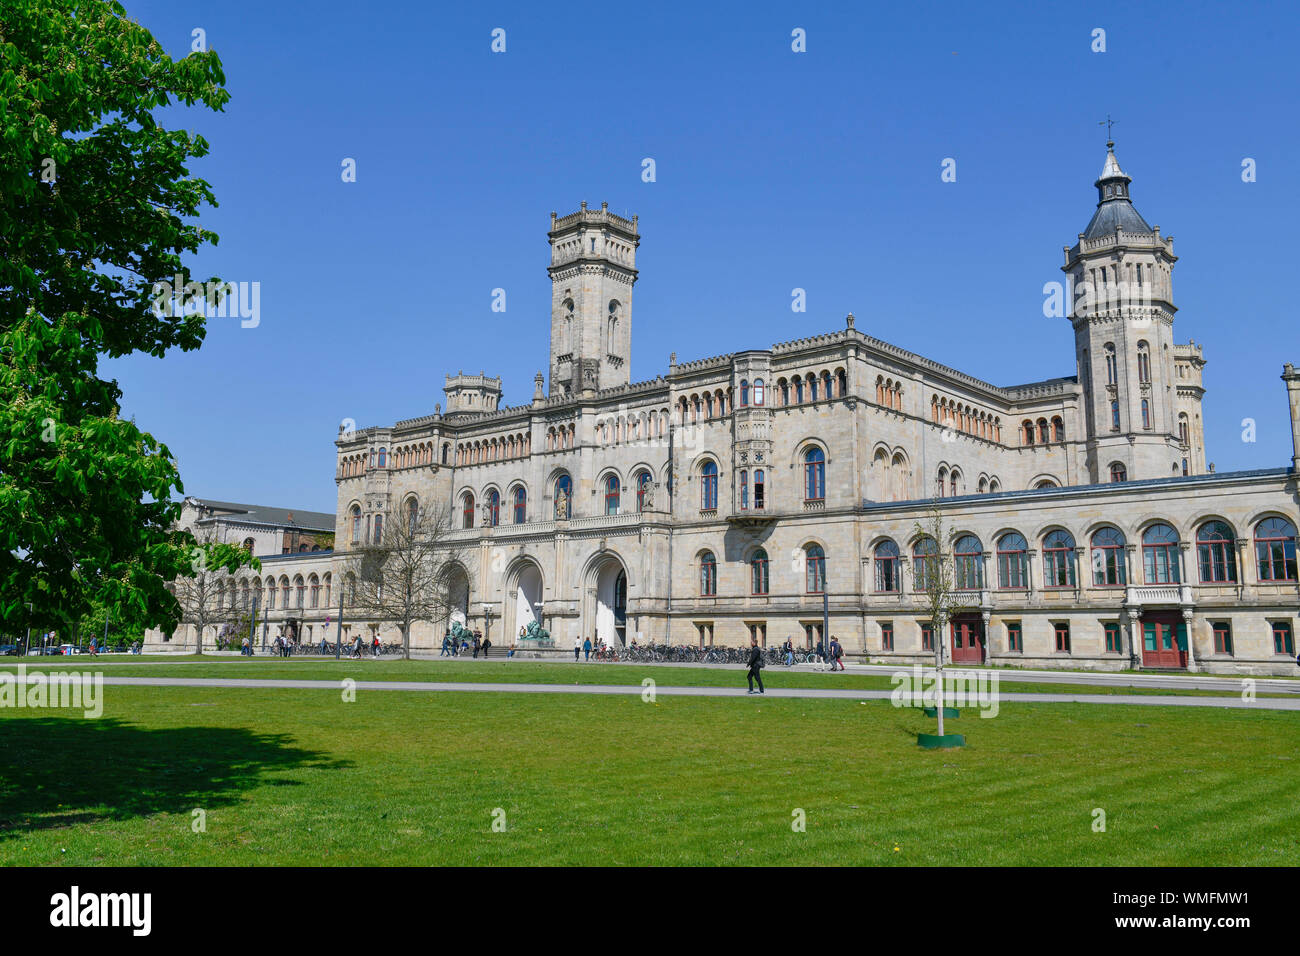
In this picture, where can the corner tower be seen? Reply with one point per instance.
(1141, 391)
(593, 269)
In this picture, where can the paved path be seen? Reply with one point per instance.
(831, 693)
(1263, 685)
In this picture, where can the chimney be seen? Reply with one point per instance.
(1292, 379)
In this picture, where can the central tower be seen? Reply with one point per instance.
(593, 269)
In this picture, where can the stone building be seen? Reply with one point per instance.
(768, 491)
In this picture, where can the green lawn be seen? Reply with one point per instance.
(300, 777)
(540, 672)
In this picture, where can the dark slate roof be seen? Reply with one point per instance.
(1115, 213)
(278, 517)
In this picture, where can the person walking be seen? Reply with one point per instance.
(487, 643)
(577, 648)
(586, 649)
(755, 665)
(789, 652)
(837, 653)
(477, 643)
(94, 648)
(446, 645)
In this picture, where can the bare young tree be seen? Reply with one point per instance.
(409, 570)
(207, 596)
(935, 576)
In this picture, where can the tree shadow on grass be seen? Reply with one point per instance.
(55, 772)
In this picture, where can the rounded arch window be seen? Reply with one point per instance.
(968, 563)
(709, 486)
(611, 494)
(758, 391)
(467, 510)
(1058, 560)
(814, 474)
(1275, 549)
(1012, 564)
(758, 572)
(1109, 568)
(1216, 553)
(886, 559)
(494, 507)
(815, 566)
(1160, 562)
(708, 574)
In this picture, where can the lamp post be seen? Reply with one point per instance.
(487, 624)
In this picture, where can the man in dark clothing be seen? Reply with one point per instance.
(755, 665)
(837, 654)
(486, 644)
(477, 641)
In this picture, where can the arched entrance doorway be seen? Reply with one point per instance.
(458, 595)
(524, 593)
(607, 601)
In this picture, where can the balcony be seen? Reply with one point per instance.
(1159, 595)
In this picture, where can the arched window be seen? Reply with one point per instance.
(1112, 367)
(952, 481)
(758, 489)
(1114, 416)
(494, 507)
(708, 575)
(758, 391)
(968, 563)
(798, 391)
(383, 456)
(814, 467)
(270, 595)
(758, 581)
(1216, 553)
(783, 389)
(1182, 429)
(744, 392)
(1160, 555)
(315, 592)
(248, 545)
(842, 387)
(925, 563)
(412, 516)
(1146, 413)
(1144, 363)
(467, 510)
(744, 489)
(1275, 549)
(815, 563)
(708, 486)
(812, 388)
(1118, 472)
(642, 486)
(446, 450)
(356, 524)
(1058, 430)
(1028, 428)
(1012, 564)
(1109, 569)
(1058, 560)
(300, 592)
(888, 577)
(379, 530)
(521, 505)
(563, 496)
(1043, 438)
(611, 494)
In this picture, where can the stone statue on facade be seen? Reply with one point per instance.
(561, 505)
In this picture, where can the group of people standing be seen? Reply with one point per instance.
(453, 648)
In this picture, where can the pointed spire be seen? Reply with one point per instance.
(1111, 170)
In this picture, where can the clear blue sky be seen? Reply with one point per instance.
(775, 170)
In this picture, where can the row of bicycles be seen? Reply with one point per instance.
(690, 654)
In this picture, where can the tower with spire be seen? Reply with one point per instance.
(1142, 392)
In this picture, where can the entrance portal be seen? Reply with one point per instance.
(610, 595)
(1164, 640)
(967, 639)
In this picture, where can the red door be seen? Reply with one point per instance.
(1164, 641)
(967, 640)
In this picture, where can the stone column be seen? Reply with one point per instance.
(1187, 626)
(1132, 620)
(1292, 379)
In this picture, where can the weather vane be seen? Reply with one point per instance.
(1108, 123)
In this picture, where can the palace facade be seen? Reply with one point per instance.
(775, 492)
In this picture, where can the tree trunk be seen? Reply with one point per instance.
(406, 643)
